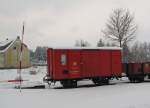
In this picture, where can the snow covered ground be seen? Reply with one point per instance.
(119, 94)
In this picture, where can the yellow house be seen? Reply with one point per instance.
(10, 54)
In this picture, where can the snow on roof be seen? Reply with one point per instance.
(4, 45)
(89, 48)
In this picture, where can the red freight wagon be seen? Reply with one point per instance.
(137, 71)
(146, 68)
(68, 65)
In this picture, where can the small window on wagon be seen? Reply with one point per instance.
(63, 59)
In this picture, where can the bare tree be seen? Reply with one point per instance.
(140, 52)
(121, 27)
(127, 55)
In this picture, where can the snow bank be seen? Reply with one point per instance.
(119, 94)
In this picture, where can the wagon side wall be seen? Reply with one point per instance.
(79, 64)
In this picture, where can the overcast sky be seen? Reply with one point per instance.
(62, 22)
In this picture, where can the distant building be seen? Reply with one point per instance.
(41, 53)
(10, 54)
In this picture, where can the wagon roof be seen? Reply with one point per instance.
(88, 48)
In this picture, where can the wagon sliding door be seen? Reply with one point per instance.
(105, 63)
(90, 63)
(74, 63)
(116, 63)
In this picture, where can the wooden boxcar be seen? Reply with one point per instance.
(137, 71)
(68, 65)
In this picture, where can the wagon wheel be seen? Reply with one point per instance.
(148, 76)
(65, 84)
(74, 83)
(69, 83)
(141, 79)
(105, 81)
(131, 79)
(97, 81)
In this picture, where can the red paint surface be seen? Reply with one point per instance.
(135, 68)
(84, 63)
(116, 63)
(146, 68)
